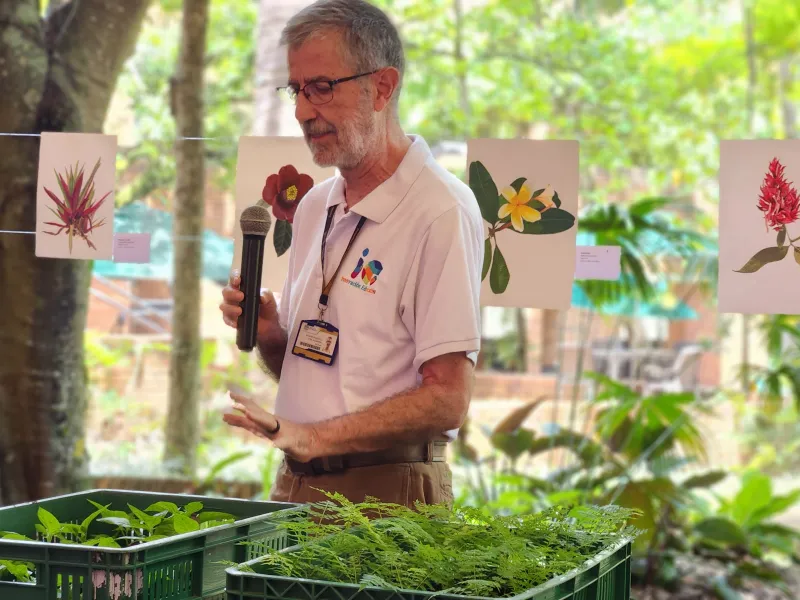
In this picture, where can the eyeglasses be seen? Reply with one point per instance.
(321, 91)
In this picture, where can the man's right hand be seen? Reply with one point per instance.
(268, 325)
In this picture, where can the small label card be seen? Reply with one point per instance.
(597, 262)
(132, 247)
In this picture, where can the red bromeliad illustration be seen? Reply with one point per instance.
(780, 203)
(77, 208)
(283, 191)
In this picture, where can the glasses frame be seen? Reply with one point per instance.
(330, 82)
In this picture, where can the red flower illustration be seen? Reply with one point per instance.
(778, 201)
(284, 190)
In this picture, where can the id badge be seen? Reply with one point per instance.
(317, 341)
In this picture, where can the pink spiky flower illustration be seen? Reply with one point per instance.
(779, 202)
(76, 209)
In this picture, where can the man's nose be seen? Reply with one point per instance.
(303, 109)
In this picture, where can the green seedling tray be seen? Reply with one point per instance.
(607, 576)
(189, 566)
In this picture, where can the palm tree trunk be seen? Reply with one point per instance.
(187, 92)
(72, 59)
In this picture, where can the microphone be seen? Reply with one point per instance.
(255, 223)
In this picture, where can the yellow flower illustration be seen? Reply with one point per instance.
(517, 207)
(546, 197)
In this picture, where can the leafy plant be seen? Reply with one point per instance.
(518, 207)
(744, 521)
(436, 549)
(77, 208)
(129, 528)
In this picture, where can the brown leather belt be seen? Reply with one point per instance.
(431, 452)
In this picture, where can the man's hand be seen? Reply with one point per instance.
(268, 324)
(296, 440)
(270, 335)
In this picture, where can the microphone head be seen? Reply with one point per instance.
(255, 220)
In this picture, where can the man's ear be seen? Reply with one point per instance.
(386, 83)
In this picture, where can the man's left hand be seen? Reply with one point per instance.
(297, 440)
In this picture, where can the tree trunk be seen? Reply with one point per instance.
(72, 59)
(549, 340)
(789, 109)
(187, 106)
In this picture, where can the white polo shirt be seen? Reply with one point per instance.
(408, 290)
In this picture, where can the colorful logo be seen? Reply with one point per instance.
(367, 273)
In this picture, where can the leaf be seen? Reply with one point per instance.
(149, 521)
(755, 494)
(18, 570)
(282, 237)
(195, 507)
(705, 480)
(782, 237)
(499, 275)
(487, 258)
(214, 516)
(50, 522)
(721, 530)
(513, 444)
(16, 536)
(517, 183)
(184, 524)
(776, 506)
(516, 417)
(163, 506)
(797, 255)
(556, 199)
(118, 521)
(485, 190)
(762, 257)
(554, 220)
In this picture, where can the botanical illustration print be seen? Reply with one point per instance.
(283, 191)
(76, 209)
(780, 204)
(518, 207)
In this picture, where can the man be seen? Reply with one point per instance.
(385, 265)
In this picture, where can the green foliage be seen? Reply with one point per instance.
(228, 91)
(120, 529)
(436, 549)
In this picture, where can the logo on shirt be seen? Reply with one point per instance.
(365, 274)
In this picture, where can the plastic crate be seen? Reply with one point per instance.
(188, 566)
(607, 576)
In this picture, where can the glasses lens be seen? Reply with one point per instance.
(319, 93)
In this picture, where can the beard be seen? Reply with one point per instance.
(348, 145)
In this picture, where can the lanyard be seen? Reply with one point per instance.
(326, 287)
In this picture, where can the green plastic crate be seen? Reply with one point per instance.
(189, 566)
(607, 576)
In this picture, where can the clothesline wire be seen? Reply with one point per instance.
(180, 137)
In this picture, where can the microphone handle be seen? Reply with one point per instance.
(252, 261)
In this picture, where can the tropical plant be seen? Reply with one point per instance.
(741, 530)
(517, 206)
(77, 208)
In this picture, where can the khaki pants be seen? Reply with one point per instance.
(403, 483)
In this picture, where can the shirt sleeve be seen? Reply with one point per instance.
(446, 281)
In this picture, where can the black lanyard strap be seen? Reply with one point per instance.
(326, 287)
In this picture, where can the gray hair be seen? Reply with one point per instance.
(371, 40)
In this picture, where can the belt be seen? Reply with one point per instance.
(430, 452)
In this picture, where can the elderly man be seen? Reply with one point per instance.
(378, 327)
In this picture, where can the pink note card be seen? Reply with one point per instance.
(132, 247)
(597, 262)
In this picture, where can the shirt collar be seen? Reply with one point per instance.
(380, 202)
